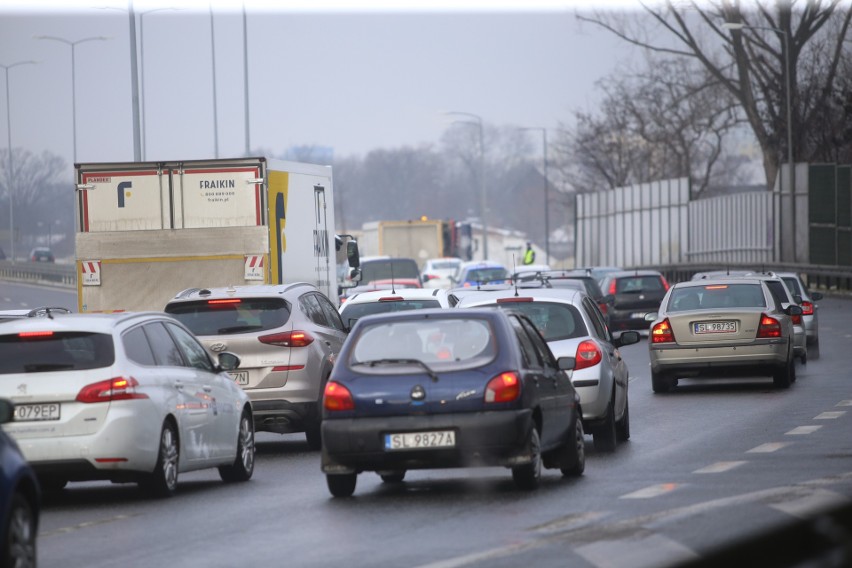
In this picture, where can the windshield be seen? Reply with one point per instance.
(40, 352)
(637, 284)
(227, 316)
(486, 274)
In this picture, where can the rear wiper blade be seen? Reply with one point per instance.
(374, 362)
(37, 367)
(239, 328)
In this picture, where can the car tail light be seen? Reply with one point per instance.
(391, 299)
(224, 302)
(612, 288)
(337, 397)
(797, 320)
(288, 339)
(25, 334)
(117, 388)
(604, 308)
(513, 300)
(588, 355)
(807, 308)
(662, 332)
(505, 387)
(769, 327)
(665, 283)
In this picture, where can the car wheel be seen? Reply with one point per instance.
(313, 434)
(20, 539)
(393, 476)
(341, 485)
(163, 481)
(785, 376)
(622, 427)
(243, 466)
(604, 434)
(575, 451)
(528, 476)
(813, 349)
(52, 484)
(661, 383)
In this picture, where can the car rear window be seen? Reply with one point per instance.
(445, 265)
(226, 316)
(486, 274)
(42, 352)
(636, 284)
(353, 312)
(440, 343)
(715, 296)
(555, 321)
(793, 285)
(389, 269)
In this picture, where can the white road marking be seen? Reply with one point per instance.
(808, 505)
(652, 491)
(844, 403)
(638, 551)
(830, 415)
(84, 525)
(720, 467)
(768, 448)
(802, 430)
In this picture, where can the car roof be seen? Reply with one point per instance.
(567, 295)
(403, 293)
(629, 273)
(429, 313)
(261, 290)
(91, 322)
(716, 281)
(481, 264)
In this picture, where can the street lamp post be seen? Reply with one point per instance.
(213, 57)
(246, 77)
(11, 176)
(785, 37)
(477, 120)
(546, 190)
(73, 45)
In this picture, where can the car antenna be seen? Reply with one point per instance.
(515, 271)
(47, 313)
(393, 282)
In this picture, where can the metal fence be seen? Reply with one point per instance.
(43, 273)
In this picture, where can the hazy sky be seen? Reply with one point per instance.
(354, 79)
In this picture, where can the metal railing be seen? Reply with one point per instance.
(43, 273)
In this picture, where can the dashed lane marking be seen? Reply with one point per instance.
(768, 448)
(720, 467)
(830, 415)
(652, 491)
(808, 505)
(79, 526)
(844, 403)
(638, 551)
(802, 430)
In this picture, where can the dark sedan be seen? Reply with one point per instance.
(632, 295)
(19, 500)
(433, 389)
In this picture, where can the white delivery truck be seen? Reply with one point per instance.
(148, 230)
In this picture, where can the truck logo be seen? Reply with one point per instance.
(122, 188)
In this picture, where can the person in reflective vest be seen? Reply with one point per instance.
(529, 255)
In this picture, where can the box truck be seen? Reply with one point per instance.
(148, 230)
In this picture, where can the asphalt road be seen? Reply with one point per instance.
(708, 465)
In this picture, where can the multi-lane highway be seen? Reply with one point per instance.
(707, 466)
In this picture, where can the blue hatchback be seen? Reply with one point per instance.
(432, 389)
(20, 499)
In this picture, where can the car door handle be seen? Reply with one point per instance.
(207, 388)
(178, 385)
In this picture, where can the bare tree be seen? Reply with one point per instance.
(751, 63)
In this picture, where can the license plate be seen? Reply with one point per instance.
(638, 315)
(419, 440)
(33, 412)
(240, 377)
(703, 327)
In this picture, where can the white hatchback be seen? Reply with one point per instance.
(384, 301)
(126, 397)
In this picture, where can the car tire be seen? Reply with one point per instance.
(528, 476)
(341, 485)
(575, 451)
(622, 427)
(393, 476)
(813, 349)
(243, 466)
(19, 542)
(52, 484)
(605, 434)
(661, 383)
(785, 376)
(162, 482)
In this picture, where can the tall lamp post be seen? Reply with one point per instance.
(546, 189)
(73, 45)
(213, 57)
(477, 120)
(785, 37)
(11, 176)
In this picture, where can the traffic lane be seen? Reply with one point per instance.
(16, 296)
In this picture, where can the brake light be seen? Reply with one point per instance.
(588, 355)
(225, 301)
(807, 308)
(337, 397)
(117, 388)
(662, 332)
(505, 387)
(604, 308)
(665, 284)
(612, 288)
(288, 339)
(797, 320)
(391, 299)
(513, 300)
(35, 334)
(769, 327)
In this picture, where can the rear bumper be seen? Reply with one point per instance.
(283, 416)
(625, 320)
(497, 438)
(736, 360)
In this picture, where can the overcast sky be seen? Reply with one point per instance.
(353, 80)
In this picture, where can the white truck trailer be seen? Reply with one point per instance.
(148, 230)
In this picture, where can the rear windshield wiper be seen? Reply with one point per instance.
(374, 362)
(38, 367)
(239, 328)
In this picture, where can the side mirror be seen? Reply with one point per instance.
(627, 338)
(355, 274)
(566, 363)
(228, 361)
(793, 310)
(352, 255)
(815, 296)
(649, 317)
(7, 410)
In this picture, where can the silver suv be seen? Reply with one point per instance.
(809, 309)
(287, 337)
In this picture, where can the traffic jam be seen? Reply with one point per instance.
(465, 364)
